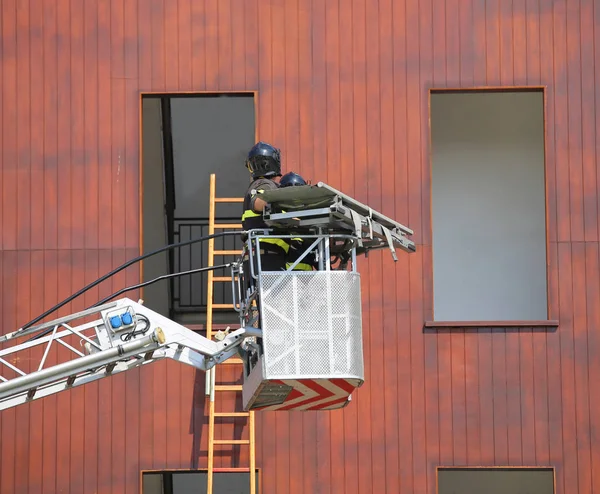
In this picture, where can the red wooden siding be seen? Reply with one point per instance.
(343, 90)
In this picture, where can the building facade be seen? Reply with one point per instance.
(348, 91)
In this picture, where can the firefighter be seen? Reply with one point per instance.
(297, 245)
(264, 164)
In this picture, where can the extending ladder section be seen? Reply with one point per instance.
(212, 385)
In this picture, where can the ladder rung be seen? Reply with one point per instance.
(233, 361)
(227, 252)
(228, 387)
(232, 414)
(222, 306)
(223, 278)
(228, 225)
(229, 470)
(229, 199)
(231, 441)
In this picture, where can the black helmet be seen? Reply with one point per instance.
(264, 160)
(291, 179)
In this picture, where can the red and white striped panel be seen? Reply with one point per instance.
(314, 394)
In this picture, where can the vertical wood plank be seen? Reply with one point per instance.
(91, 125)
(304, 73)
(50, 129)
(472, 399)
(65, 413)
(224, 55)
(240, 11)
(592, 254)
(486, 397)
(157, 40)
(94, 439)
(64, 204)
(564, 353)
(587, 123)
(211, 44)
(480, 41)
(533, 43)
(514, 384)
(170, 45)
(8, 423)
(420, 467)
(375, 320)
(48, 273)
(145, 45)
(23, 129)
(499, 388)
(527, 396)
(560, 125)
(541, 410)
(37, 134)
(581, 369)
(128, 157)
(360, 190)
(403, 286)
(443, 378)
(77, 190)
(331, 91)
(110, 61)
(198, 29)
(23, 413)
(505, 24)
(519, 50)
(132, 41)
(389, 269)
(452, 42)
(113, 169)
(9, 131)
(459, 412)
(172, 424)
(159, 406)
(78, 394)
(596, 43)
(467, 34)
(184, 44)
(251, 43)
(309, 168)
(493, 42)
(36, 410)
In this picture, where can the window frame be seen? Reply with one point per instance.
(551, 320)
(199, 470)
(495, 467)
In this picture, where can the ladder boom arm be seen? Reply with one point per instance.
(127, 335)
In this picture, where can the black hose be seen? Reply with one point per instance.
(121, 268)
(139, 285)
(159, 278)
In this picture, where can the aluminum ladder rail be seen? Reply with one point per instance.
(211, 384)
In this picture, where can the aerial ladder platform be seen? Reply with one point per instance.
(299, 335)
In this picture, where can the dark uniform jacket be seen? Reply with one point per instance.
(252, 219)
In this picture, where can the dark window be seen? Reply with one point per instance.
(495, 481)
(194, 482)
(488, 206)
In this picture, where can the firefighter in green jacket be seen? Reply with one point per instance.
(264, 164)
(298, 245)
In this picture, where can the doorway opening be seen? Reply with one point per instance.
(185, 138)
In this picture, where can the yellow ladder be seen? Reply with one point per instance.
(211, 385)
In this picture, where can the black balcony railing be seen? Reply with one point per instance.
(188, 293)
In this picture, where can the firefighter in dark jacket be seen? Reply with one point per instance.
(298, 245)
(264, 165)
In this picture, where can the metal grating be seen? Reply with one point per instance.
(312, 324)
